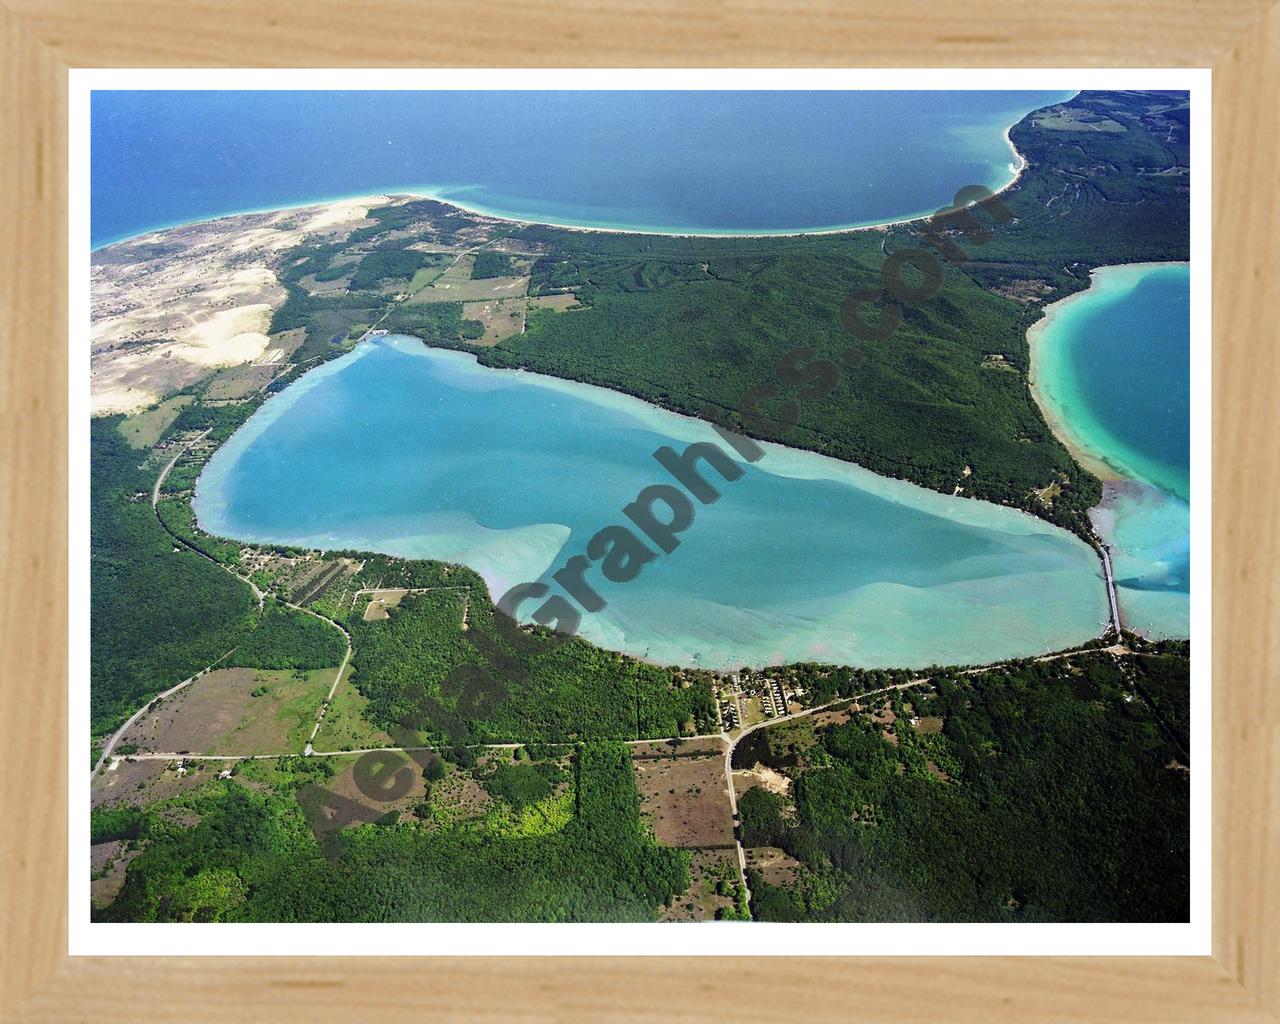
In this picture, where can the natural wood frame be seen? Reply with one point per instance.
(41, 39)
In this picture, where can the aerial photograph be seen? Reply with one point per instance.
(639, 506)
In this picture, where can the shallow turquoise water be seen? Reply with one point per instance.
(1149, 531)
(1113, 363)
(418, 452)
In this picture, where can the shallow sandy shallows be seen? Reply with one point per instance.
(169, 306)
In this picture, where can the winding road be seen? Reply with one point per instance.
(261, 598)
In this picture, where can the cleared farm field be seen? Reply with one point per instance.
(706, 898)
(239, 382)
(132, 782)
(685, 800)
(236, 712)
(454, 289)
(334, 286)
(776, 866)
(559, 302)
(344, 726)
(380, 601)
(501, 318)
(143, 429)
(423, 277)
(282, 346)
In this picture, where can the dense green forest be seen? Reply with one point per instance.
(920, 405)
(491, 264)
(1104, 185)
(1054, 791)
(523, 785)
(251, 857)
(699, 325)
(389, 264)
(159, 613)
(693, 324)
(494, 683)
(435, 323)
(328, 320)
(287, 638)
(490, 682)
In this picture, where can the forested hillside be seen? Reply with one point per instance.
(158, 613)
(251, 857)
(491, 683)
(1050, 791)
(920, 404)
(1038, 791)
(1109, 182)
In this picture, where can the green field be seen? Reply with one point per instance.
(345, 726)
(159, 614)
(695, 324)
(144, 429)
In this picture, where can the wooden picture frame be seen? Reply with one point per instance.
(42, 39)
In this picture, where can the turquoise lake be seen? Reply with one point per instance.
(1112, 370)
(416, 452)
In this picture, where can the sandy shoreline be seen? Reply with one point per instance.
(1091, 460)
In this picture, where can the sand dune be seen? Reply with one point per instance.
(169, 306)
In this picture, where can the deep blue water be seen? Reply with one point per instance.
(708, 161)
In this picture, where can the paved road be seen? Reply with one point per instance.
(115, 737)
(155, 491)
(257, 593)
(332, 690)
(733, 743)
(391, 308)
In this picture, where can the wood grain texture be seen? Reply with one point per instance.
(39, 39)
(33, 524)
(657, 33)
(651, 991)
(1246, 551)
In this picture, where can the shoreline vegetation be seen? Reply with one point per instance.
(1132, 519)
(675, 628)
(537, 788)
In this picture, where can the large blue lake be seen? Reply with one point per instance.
(418, 452)
(692, 161)
(1112, 371)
